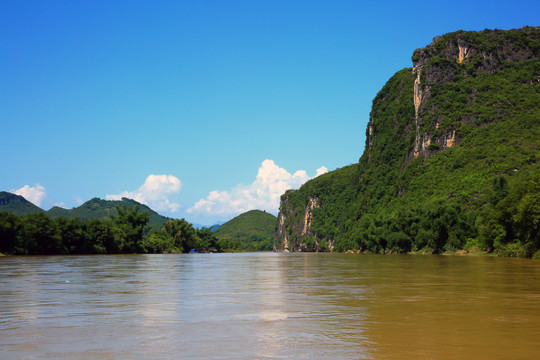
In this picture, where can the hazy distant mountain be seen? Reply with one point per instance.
(211, 227)
(17, 204)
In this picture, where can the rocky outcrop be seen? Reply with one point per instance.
(369, 141)
(291, 236)
(455, 55)
(281, 241)
(308, 216)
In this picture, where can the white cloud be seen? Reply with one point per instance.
(155, 192)
(77, 199)
(35, 194)
(264, 193)
(321, 170)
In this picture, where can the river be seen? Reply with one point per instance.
(269, 306)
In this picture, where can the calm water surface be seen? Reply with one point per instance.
(269, 306)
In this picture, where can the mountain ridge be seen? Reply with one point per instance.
(94, 208)
(17, 204)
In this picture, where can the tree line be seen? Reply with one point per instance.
(123, 233)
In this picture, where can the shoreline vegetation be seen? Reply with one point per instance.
(129, 228)
(126, 232)
(351, 252)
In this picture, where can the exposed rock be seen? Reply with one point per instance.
(281, 241)
(453, 55)
(307, 215)
(291, 239)
(370, 138)
(463, 53)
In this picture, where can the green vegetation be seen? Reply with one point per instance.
(495, 40)
(17, 204)
(480, 193)
(121, 233)
(93, 209)
(120, 227)
(251, 231)
(102, 209)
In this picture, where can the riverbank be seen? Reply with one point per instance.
(462, 252)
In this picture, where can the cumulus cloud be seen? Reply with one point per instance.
(264, 193)
(321, 170)
(35, 194)
(155, 192)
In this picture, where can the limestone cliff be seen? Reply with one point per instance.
(454, 56)
(462, 87)
(298, 236)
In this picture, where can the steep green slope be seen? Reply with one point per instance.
(254, 230)
(451, 158)
(102, 209)
(17, 204)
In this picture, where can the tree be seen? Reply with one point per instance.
(38, 236)
(9, 227)
(208, 239)
(72, 235)
(132, 223)
(183, 234)
(103, 237)
(159, 242)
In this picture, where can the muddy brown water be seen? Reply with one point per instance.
(269, 306)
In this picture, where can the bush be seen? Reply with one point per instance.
(159, 242)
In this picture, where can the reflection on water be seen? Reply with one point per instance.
(269, 306)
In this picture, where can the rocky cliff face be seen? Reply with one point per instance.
(410, 122)
(293, 237)
(454, 56)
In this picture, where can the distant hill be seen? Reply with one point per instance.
(102, 209)
(17, 204)
(254, 229)
(92, 209)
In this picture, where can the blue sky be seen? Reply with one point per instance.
(203, 109)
